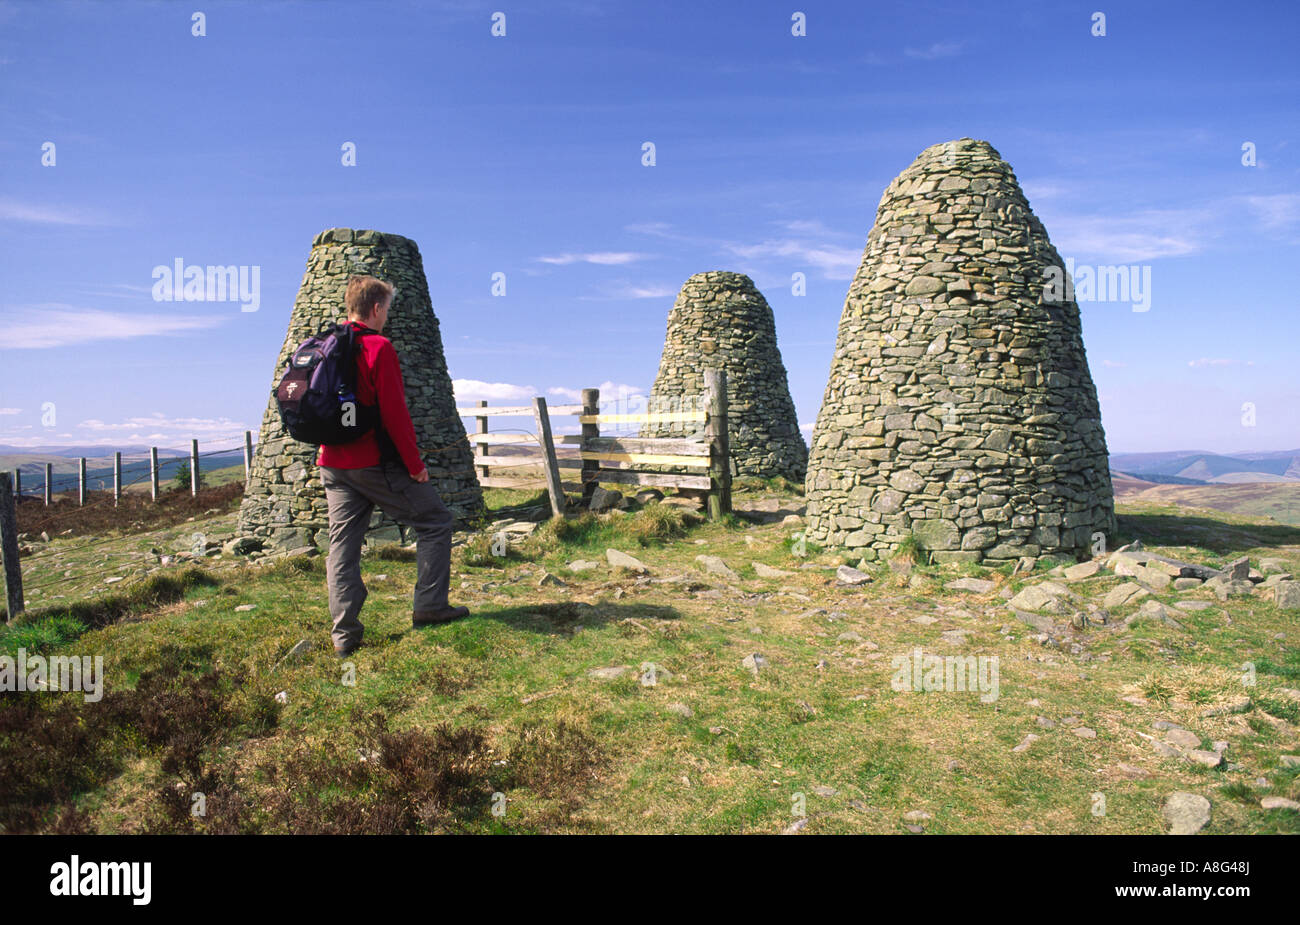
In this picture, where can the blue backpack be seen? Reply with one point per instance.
(317, 393)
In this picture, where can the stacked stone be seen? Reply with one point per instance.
(284, 501)
(721, 321)
(959, 408)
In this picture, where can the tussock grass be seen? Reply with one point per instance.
(47, 628)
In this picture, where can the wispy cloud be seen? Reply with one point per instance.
(39, 327)
(834, 261)
(45, 214)
(158, 429)
(1277, 210)
(935, 50)
(11, 410)
(622, 289)
(1203, 362)
(600, 258)
(1143, 236)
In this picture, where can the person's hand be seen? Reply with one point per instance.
(423, 476)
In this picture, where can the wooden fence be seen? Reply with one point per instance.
(48, 490)
(677, 462)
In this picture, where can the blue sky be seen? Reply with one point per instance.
(522, 154)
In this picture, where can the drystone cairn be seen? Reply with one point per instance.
(721, 321)
(959, 408)
(284, 501)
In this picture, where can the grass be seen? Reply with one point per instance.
(497, 724)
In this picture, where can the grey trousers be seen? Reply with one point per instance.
(352, 495)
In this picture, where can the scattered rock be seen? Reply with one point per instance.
(1123, 594)
(851, 576)
(1183, 738)
(1239, 705)
(681, 709)
(608, 674)
(1207, 758)
(976, 585)
(715, 566)
(1082, 570)
(1237, 570)
(603, 499)
(766, 571)
(1286, 595)
(548, 580)
(623, 560)
(1193, 606)
(754, 663)
(583, 565)
(1186, 813)
(1279, 803)
(1084, 732)
(795, 827)
(1028, 740)
(916, 815)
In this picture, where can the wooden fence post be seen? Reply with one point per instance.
(81, 481)
(550, 467)
(9, 549)
(49, 487)
(153, 471)
(194, 467)
(248, 456)
(590, 406)
(117, 477)
(715, 390)
(481, 449)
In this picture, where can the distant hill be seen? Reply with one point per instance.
(1208, 468)
(1279, 499)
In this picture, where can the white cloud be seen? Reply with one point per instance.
(600, 258)
(1210, 361)
(1113, 364)
(38, 327)
(11, 410)
(608, 391)
(476, 389)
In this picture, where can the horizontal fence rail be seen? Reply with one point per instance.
(656, 462)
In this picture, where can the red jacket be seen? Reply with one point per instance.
(379, 382)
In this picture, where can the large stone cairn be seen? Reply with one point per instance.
(721, 321)
(959, 407)
(284, 500)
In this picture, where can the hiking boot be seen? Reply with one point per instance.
(435, 617)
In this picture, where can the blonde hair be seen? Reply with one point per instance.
(363, 293)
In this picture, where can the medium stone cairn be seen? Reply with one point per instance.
(284, 500)
(959, 408)
(721, 321)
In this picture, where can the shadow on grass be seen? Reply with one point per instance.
(562, 618)
(1214, 535)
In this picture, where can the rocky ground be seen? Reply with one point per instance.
(738, 678)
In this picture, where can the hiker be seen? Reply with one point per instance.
(382, 468)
